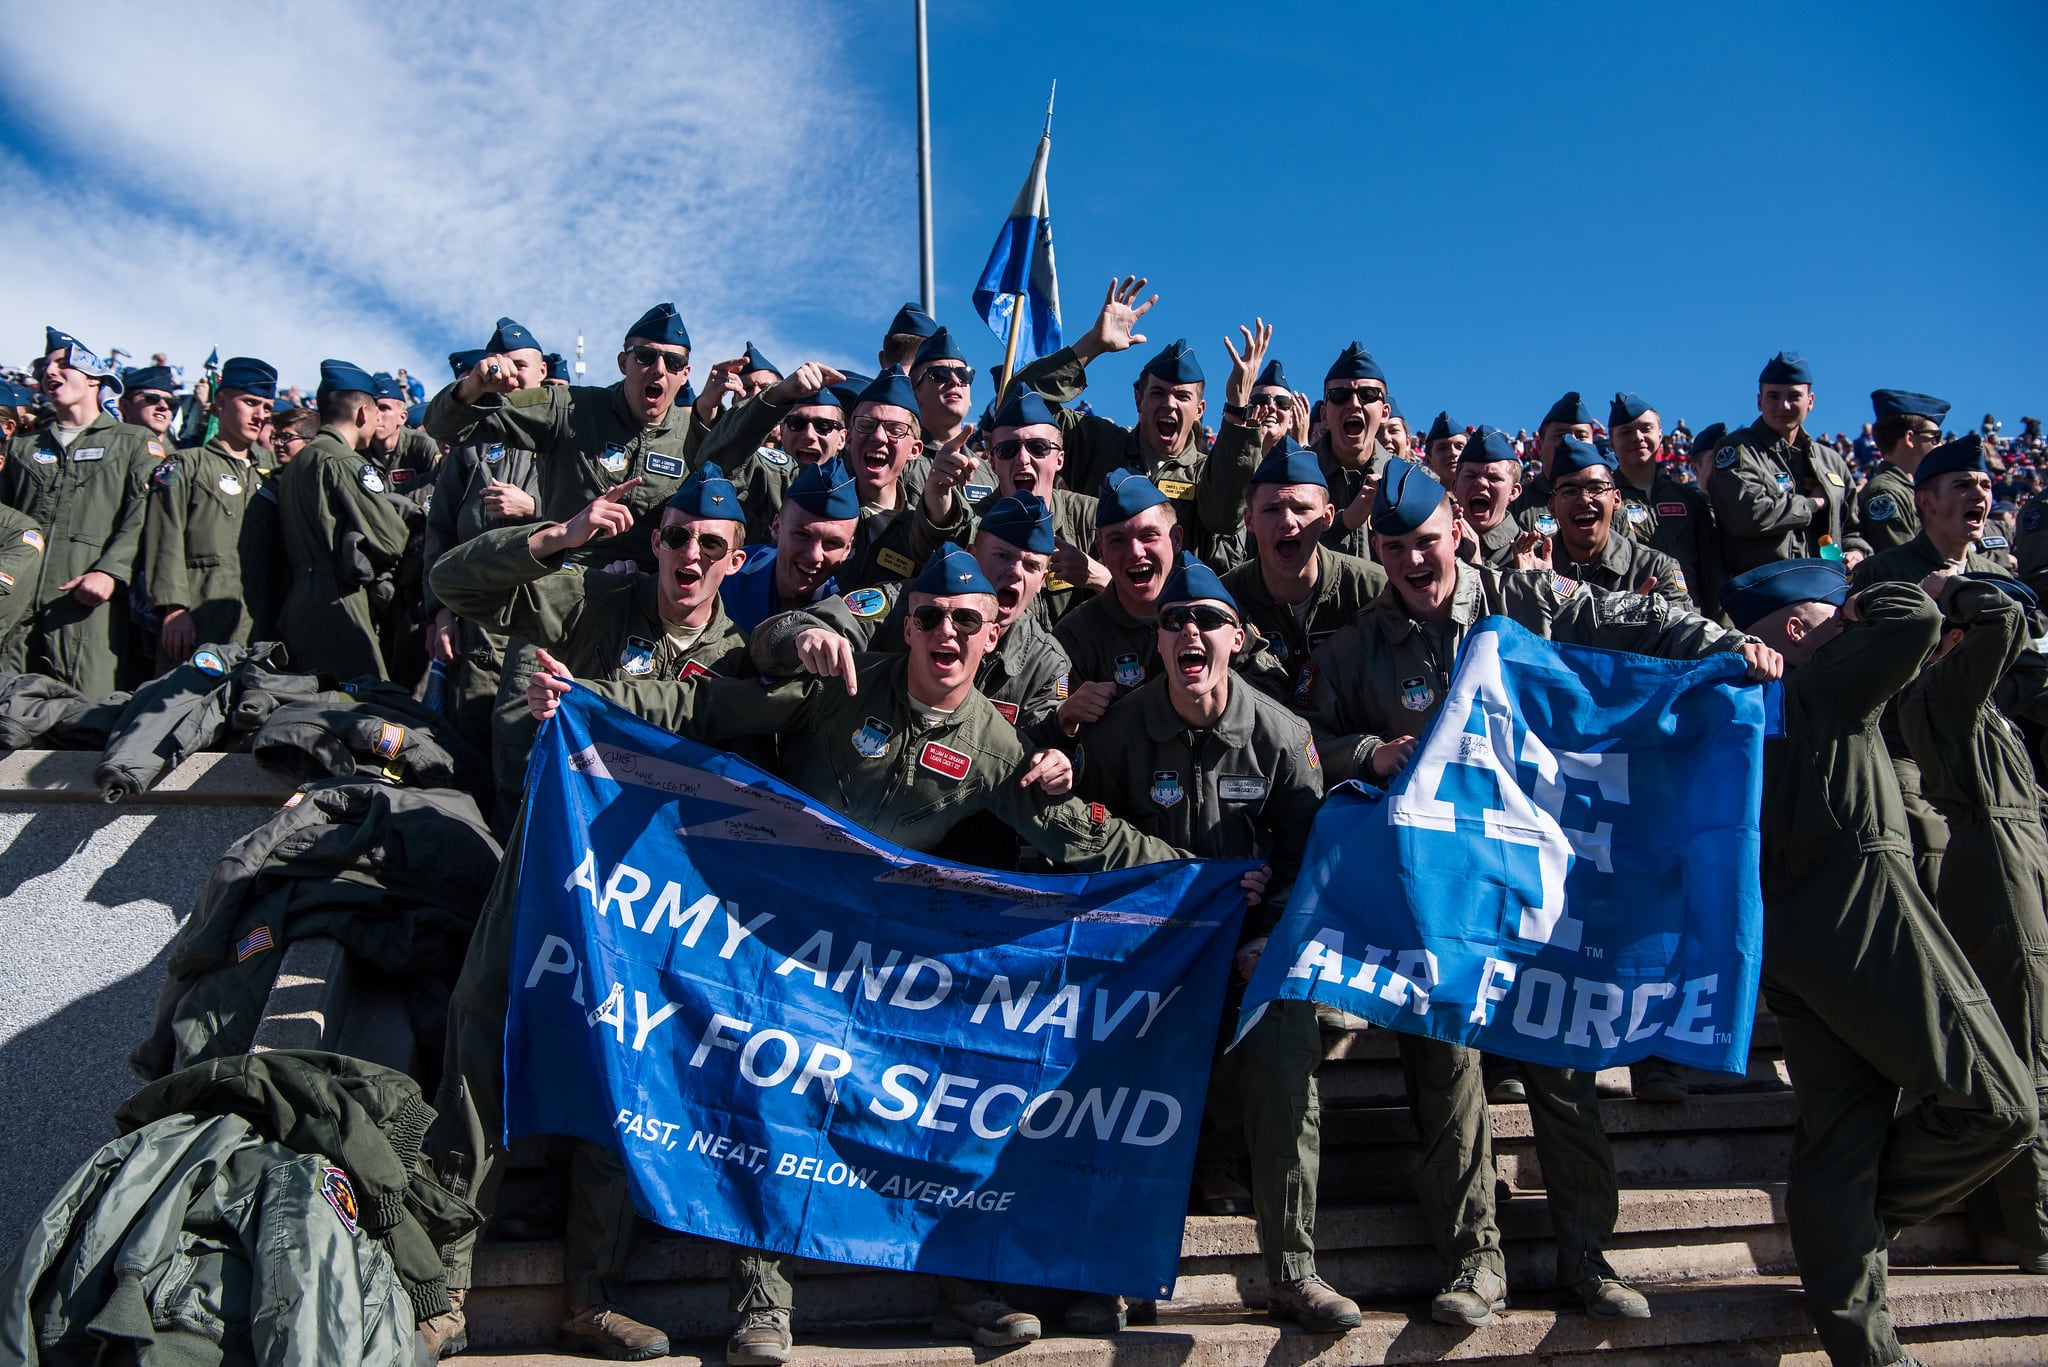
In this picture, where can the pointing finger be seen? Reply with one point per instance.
(618, 491)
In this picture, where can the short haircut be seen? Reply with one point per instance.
(1890, 430)
(900, 348)
(339, 405)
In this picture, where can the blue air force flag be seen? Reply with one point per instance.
(1021, 263)
(1565, 872)
(800, 1037)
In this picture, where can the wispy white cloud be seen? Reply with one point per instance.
(382, 182)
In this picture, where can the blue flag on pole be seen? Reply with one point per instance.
(803, 1038)
(1021, 264)
(1565, 872)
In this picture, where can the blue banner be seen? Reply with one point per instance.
(1565, 872)
(805, 1039)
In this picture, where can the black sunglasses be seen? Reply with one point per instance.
(824, 427)
(965, 620)
(1342, 396)
(956, 374)
(677, 537)
(150, 398)
(1272, 398)
(648, 357)
(1037, 447)
(1202, 615)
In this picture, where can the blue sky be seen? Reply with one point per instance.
(1502, 202)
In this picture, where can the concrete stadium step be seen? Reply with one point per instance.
(1947, 1317)
(1370, 1153)
(1374, 1253)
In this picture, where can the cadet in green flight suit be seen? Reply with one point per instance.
(21, 562)
(1486, 485)
(1111, 638)
(808, 424)
(1166, 444)
(1198, 759)
(1296, 591)
(1662, 513)
(1872, 996)
(479, 486)
(905, 746)
(1778, 493)
(1568, 417)
(405, 456)
(1024, 674)
(1588, 545)
(586, 440)
(326, 492)
(890, 472)
(668, 625)
(1952, 499)
(199, 544)
(85, 480)
(1378, 683)
(1994, 883)
(1908, 426)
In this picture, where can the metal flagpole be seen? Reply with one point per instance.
(927, 288)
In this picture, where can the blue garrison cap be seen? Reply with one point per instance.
(1572, 455)
(1273, 374)
(1175, 365)
(1786, 368)
(891, 387)
(1488, 445)
(661, 324)
(847, 391)
(416, 415)
(1709, 437)
(2012, 588)
(1407, 496)
(940, 346)
(462, 362)
(558, 369)
(13, 395)
(825, 489)
(1191, 582)
(1026, 408)
(1755, 594)
(756, 361)
(910, 318)
(1289, 462)
(951, 570)
(1023, 520)
(1444, 428)
(1124, 494)
(1355, 363)
(508, 337)
(708, 493)
(386, 386)
(158, 377)
(1627, 408)
(831, 396)
(1394, 409)
(1903, 403)
(250, 375)
(1570, 410)
(282, 404)
(341, 377)
(1964, 453)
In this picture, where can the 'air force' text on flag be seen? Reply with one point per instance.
(1565, 873)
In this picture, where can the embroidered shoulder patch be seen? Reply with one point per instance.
(1881, 508)
(865, 603)
(1725, 457)
(164, 476)
(368, 477)
(340, 1194)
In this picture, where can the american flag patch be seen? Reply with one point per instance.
(255, 942)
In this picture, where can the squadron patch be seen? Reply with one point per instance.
(613, 460)
(1882, 508)
(1166, 787)
(1130, 671)
(230, 486)
(207, 662)
(872, 740)
(637, 656)
(772, 456)
(865, 603)
(1417, 695)
(1725, 457)
(494, 453)
(1638, 514)
(164, 476)
(42, 456)
(370, 479)
(334, 1185)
